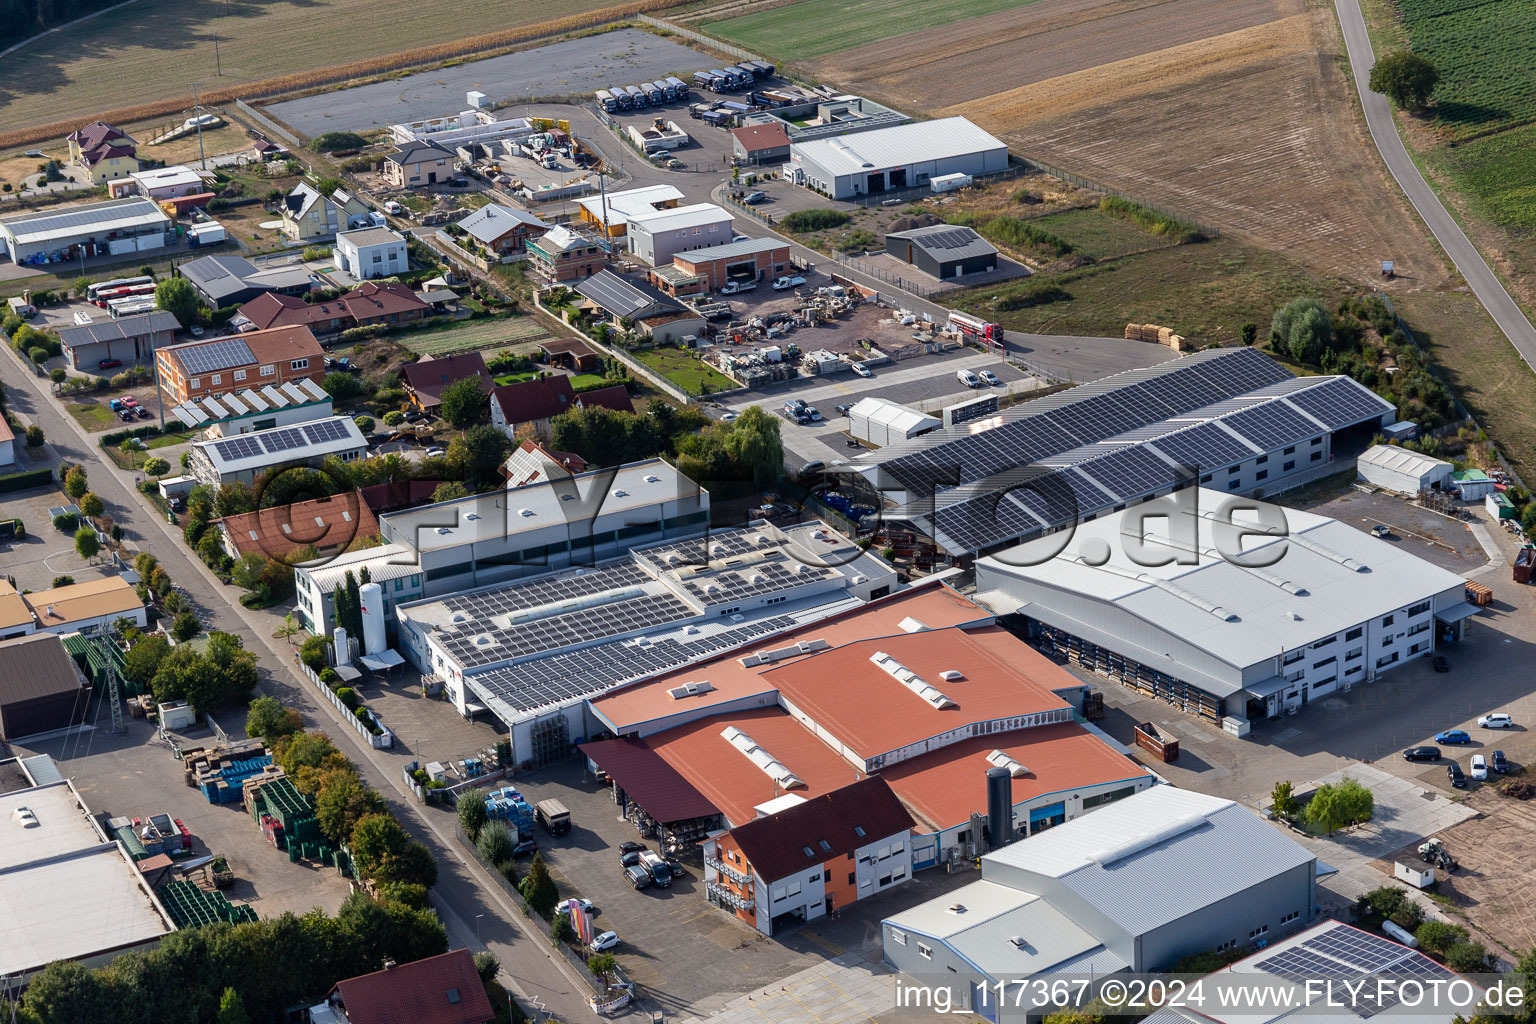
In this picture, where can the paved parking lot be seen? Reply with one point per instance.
(44, 552)
(1433, 537)
(708, 148)
(134, 774)
(573, 66)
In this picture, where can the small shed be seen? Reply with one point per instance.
(883, 422)
(1402, 430)
(1474, 484)
(1498, 506)
(943, 251)
(1404, 471)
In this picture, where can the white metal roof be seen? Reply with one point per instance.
(679, 218)
(66, 892)
(1120, 859)
(244, 452)
(898, 146)
(1401, 460)
(392, 561)
(630, 203)
(167, 177)
(893, 415)
(90, 219)
(1330, 576)
(731, 250)
(537, 506)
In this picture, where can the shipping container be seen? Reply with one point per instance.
(1161, 746)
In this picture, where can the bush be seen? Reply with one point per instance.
(472, 813)
(38, 355)
(1150, 220)
(342, 386)
(329, 677)
(1021, 233)
(330, 142)
(186, 626)
(814, 220)
(1032, 295)
(218, 205)
(346, 694)
(34, 436)
(63, 581)
(394, 418)
(495, 843)
(312, 653)
(66, 522)
(364, 423)
(1465, 957)
(1438, 937)
(1386, 900)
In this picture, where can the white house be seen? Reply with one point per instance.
(372, 253)
(657, 237)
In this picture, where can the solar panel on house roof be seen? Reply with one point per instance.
(233, 449)
(216, 355)
(1339, 403)
(283, 440)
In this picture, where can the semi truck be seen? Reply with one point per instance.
(678, 86)
(705, 79)
(668, 94)
(606, 100)
(653, 96)
(636, 97)
(621, 97)
(552, 814)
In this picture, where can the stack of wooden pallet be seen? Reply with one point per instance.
(1155, 334)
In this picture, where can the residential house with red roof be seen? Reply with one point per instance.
(370, 303)
(103, 151)
(528, 406)
(328, 524)
(444, 989)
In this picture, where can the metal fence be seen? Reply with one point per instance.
(917, 288)
(698, 37)
(268, 125)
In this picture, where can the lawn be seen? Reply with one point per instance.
(514, 378)
(815, 28)
(685, 371)
(1097, 234)
(588, 380)
(472, 335)
(91, 416)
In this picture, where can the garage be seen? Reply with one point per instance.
(41, 689)
(1403, 471)
(943, 251)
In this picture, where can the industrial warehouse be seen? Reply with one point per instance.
(1147, 597)
(1234, 417)
(531, 652)
(891, 159)
(1098, 896)
(920, 691)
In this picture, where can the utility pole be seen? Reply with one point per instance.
(197, 117)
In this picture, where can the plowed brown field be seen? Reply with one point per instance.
(1234, 112)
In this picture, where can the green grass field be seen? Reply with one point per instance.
(685, 371)
(1205, 292)
(472, 335)
(1499, 173)
(1486, 53)
(815, 28)
(91, 416)
(1097, 234)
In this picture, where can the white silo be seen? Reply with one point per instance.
(371, 597)
(339, 641)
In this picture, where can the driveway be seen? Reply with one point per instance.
(1484, 282)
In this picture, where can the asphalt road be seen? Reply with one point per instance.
(462, 894)
(1480, 277)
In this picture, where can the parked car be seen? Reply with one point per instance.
(415, 416)
(144, 413)
(126, 415)
(585, 905)
(526, 848)
(862, 370)
(1441, 664)
(177, 503)
(796, 403)
(988, 377)
(435, 453)
(1500, 762)
(786, 283)
(130, 401)
(1421, 754)
(968, 378)
(1381, 530)
(632, 847)
(1479, 767)
(607, 940)
(1453, 736)
(842, 410)
(1457, 777)
(629, 859)
(109, 364)
(814, 466)
(1496, 720)
(675, 165)
(727, 417)
(813, 413)
(635, 875)
(754, 197)
(394, 208)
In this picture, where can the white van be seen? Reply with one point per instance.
(968, 378)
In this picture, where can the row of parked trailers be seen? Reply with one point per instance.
(739, 76)
(646, 94)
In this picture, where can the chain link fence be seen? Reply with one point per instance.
(697, 37)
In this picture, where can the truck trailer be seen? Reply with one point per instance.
(606, 101)
(678, 86)
(636, 96)
(552, 814)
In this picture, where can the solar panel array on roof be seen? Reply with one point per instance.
(587, 672)
(1272, 425)
(1342, 952)
(485, 605)
(1207, 446)
(235, 448)
(214, 356)
(284, 440)
(1339, 403)
(556, 631)
(272, 444)
(754, 580)
(325, 430)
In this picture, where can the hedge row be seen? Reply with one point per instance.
(28, 478)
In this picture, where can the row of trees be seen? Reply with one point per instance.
(748, 449)
(235, 974)
(1334, 805)
(223, 672)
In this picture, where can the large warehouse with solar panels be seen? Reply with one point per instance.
(532, 652)
(1232, 419)
(247, 456)
(1133, 887)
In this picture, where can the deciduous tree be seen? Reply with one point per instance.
(1405, 78)
(176, 296)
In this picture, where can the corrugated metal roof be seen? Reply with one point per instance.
(137, 326)
(1401, 460)
(115, 215)
(650, 781)
(678, 218)
(1238, 615)
(731, 250)
(1121, 858)
(898, 146)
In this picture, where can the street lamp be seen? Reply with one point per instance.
(477, 930)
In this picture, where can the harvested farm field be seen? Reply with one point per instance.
(149, 51)
(814, 28)
(1235, 114)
